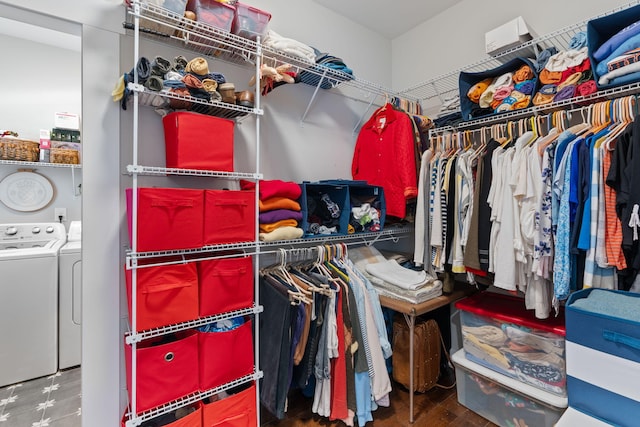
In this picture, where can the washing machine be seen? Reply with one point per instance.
(70, 303)
(29, 300)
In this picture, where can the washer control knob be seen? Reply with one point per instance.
(11, 231)
(49, 229)
(35, 230)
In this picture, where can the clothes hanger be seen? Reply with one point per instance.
(625, 110)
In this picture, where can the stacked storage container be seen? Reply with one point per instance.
(512, 365)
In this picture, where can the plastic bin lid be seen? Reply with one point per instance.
(510, 309)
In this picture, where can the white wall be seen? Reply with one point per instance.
(33, 108)
(455, 37)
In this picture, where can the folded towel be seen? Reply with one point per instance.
(392, 272)
(274, 188)
(268, 228)
(282, 233)
(278, 203)
(278, 215)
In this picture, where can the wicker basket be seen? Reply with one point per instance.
(65, 155)
(19, 149)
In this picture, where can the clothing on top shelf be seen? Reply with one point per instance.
(280, 214)
(386, 154)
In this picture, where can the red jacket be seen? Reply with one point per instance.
(385, 155)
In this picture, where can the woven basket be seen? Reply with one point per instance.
(65, 155)
(19, 149)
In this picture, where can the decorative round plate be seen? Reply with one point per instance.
(25, 191)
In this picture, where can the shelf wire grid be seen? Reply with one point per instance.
(160, 171)
(210, 41)
(134, 421)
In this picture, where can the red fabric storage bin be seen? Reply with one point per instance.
(225, 356)
(237, 410)
(229, 216)
(194, 419)
(225, 285)
(198, 141)
(166, 370)
(212, 12)
(166, 294)
(168, 218)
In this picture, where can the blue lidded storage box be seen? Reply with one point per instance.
(603, 354)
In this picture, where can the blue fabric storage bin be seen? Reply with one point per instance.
(602, 29)
(360, 190)
(337, 193)
(603, 356)
(467, 80)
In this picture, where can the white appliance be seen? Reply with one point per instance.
(70, 303)
(29, 300)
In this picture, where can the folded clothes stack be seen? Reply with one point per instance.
(167, 82)
(618, 58)
(392, 280)
(564, 74)
(279, 210)
(509, 91)
(319, 75)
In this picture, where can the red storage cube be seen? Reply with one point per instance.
(213, 12)
(225, 285)
(229, 216)
(168, 218)
(250, 22)
(166, 294)
(237, 410)
(198, 141)
(225, 356)
(166, 370)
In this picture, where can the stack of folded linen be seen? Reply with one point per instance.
(618, 58)
(564, 74)
(509, 91)
(279, 209)
(392, 280)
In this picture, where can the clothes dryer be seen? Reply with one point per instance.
(70, 303)
(29, 300)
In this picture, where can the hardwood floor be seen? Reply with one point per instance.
(435, 408)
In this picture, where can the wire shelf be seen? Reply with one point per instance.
(207, 40)
(607, 94)
(225, 110)
(173, 29)
(446, 85)
(40, 164)
(157, 332)
(131, 256)
(350, 239)
(155, 171)
(133, 421)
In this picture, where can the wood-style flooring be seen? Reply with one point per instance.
(435, 408)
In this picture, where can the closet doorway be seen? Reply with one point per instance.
(41, 76)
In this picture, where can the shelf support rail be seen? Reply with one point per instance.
(313, 97)
(355, 128)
